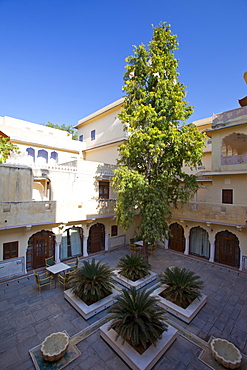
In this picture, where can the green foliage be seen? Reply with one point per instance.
(133, 267)
(183, 284)
(6, 148)
(137, 318)
(63, 127)
(92, 281)
(150, 177)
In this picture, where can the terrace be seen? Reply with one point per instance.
(27, 317)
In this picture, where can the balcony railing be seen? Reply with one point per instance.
(23, 214)
(233, 214)
(234, 159)
(26, 213)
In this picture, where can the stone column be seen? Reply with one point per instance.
(187, 245)
(85, 254)
(212, 250)
(241, 260)
(57, 246)
(106, 242)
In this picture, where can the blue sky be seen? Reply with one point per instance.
(61, 60)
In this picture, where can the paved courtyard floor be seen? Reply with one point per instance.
(27, 317)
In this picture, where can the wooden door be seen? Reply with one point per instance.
(96, 240)
(40, 246)
(177, 241)
(227, 249)
(41, 250)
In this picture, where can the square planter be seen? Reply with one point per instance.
(185, 314)
(130, 283)
(89, 311)
(136, 361)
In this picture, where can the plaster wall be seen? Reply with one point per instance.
(235, 182)
(15, 183)
(107, 127)
(108, 154)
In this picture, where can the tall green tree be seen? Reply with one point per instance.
(63, 127)
(6, 148)
(150, 177)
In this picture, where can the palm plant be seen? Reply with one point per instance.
(137, 318)
(92, 282)
(183, 285)
(133, 267)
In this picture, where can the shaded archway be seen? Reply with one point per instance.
(40, 246)
(227, 249)
(199, 243)
(96, 238)
(71, 243)
(177, 240)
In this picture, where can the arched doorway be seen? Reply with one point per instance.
(199, 242)
(227, 249)
(40, 246)
(71, 243)
(96, 238)
(177, 240)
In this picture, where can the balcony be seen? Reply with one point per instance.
(234, 159)
(21, 214)
(28, 213)
(229, 214)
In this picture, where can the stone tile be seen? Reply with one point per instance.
(241, 322)
(115, 363)
(26, 333)
(8, 358)
(102, 349)
(25, 321)
(7, 343)
(165, 363)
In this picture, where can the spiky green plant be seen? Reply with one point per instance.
(183, 285)
(137, 318)
(133, 267)
(92, 281)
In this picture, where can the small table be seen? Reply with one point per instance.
(58, 267)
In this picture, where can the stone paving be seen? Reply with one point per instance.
(27, 317)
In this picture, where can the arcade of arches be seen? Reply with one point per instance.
(226, 244)
(43, 243)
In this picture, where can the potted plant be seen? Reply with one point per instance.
(137, 330)
(180, 292)
(134, 271)
(92, 288)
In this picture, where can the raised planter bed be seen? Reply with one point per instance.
(226, 353)
(54, 346)
(185, 314)
(130, 283)
(136, 361)
(89, 311)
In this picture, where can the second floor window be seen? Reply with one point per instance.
(104, 190)
(227, 196)
(93, 135)
(81, 138)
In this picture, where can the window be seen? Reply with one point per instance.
(104, 190)
(10, 250)
(31, 153)
(227, 196)
(81, 137)
(114, 230)
(54, 156)
(93, 135)
(43, 156)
